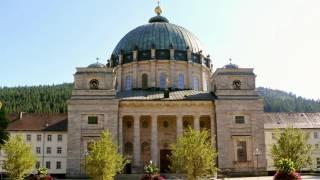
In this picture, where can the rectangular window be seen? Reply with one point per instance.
(89, 146)
(59, 137)
(316, 146)
(315, 135)
(318, 162)
(48, 164)
(242, 151)
(48, 150)
(39, 137)
(37, 164)
(273, 136)
(49, 137)
(59, 150)
(92, 120)
(38, 150)
(239, 120)
(58, 165)
(28, 137)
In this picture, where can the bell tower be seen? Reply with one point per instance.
(240, 119)
(92, 108)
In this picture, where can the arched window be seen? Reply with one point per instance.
(195, 81)
(163, 80)
(144, 81)
(128, 83)
(181, 81)
(128, 149)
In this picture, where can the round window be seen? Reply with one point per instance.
(94, 84)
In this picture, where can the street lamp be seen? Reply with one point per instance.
(85, 154)
(257, 153)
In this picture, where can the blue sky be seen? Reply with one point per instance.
(41, 42)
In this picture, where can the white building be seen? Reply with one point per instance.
(47, 133)
(307, 122)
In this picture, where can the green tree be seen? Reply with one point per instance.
(194, 155)
(103, 161)
(291, 144)
(20, 159)
(3, 124)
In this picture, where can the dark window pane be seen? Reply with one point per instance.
(92, 120)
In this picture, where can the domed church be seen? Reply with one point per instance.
(158, 81)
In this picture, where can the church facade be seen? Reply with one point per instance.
(158, 82)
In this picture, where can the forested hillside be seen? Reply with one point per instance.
(280, 101)
(41, 99)
(52, 99)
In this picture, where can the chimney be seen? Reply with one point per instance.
(21, 115)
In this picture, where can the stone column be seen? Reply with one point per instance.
(121, 134)
(154, 140)
(136, 141)
(179, 126)
(196, 123)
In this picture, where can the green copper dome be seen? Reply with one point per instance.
(161, 35)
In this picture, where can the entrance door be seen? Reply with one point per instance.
(164, 160)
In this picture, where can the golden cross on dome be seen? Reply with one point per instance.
(158, 9)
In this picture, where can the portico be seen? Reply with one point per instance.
(147, 129)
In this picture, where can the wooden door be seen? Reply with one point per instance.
(164, 160)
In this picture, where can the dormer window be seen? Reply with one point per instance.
(94, 84)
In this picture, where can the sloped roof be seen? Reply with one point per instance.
(38, 122)
(159, 95)
(297, 120)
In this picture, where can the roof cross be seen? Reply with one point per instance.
(158, 9)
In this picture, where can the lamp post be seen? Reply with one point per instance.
(257, 153)
(85, 154)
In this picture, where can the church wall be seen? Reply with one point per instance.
(82, 132)
(230, 134)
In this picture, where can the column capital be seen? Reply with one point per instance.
(179, 116)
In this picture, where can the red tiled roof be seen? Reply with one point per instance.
(38, 122)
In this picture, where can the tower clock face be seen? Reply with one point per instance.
(94, 84)
(236, 84)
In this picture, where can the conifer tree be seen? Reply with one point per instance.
(3, 124)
